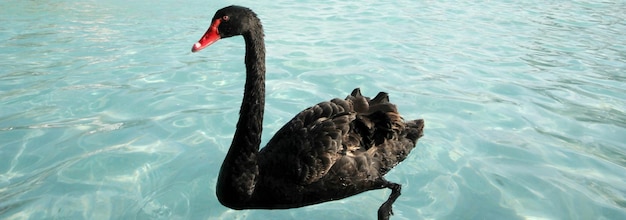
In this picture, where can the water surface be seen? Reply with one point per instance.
(106, 114)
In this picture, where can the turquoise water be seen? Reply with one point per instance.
(106, 114)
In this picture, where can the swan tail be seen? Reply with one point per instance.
(415, 130)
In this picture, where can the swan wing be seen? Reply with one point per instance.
(305, 148)
(339, 133)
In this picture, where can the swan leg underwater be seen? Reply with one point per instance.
(327, 152)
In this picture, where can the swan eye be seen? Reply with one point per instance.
(225, 18)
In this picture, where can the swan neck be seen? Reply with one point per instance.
(238, 175)
(250, 124)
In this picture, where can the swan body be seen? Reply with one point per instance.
(329, 151)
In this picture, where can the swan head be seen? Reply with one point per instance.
(227, 22)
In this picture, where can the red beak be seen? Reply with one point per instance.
(209, 37)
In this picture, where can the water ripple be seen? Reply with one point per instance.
(107, 115)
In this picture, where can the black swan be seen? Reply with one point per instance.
(330, 151)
